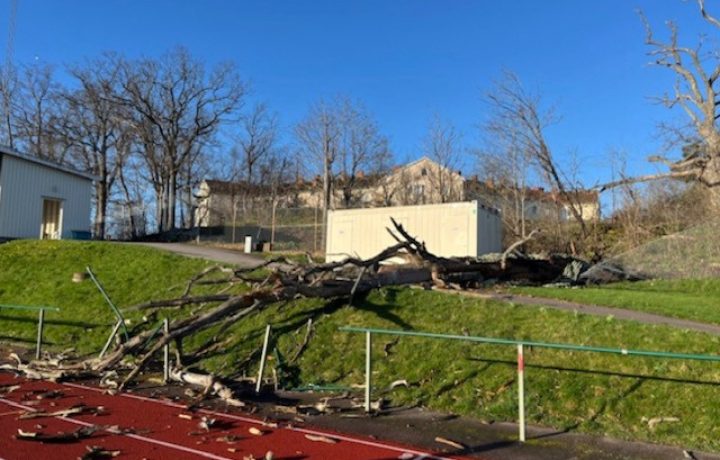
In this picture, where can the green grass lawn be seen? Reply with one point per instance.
(39, 273)
(594, 393)
(697, 300)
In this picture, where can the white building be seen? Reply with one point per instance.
(466, 229)
(41, 199)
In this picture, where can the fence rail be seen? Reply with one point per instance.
(520, 344)
(41, 321)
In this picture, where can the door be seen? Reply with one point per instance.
(51, 219)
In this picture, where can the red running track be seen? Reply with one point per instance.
(155, 430)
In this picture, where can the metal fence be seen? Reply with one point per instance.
(41, 322)
(286, 229)
(520, 344)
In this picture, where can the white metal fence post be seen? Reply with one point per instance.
(41, 324)
(263, 356)
(521, 391)
(368, 369)
(114, 332)
(166, 352)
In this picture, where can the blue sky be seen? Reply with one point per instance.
(405, 59)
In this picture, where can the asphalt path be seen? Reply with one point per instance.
(225, 256)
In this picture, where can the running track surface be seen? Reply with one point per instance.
(156, 431)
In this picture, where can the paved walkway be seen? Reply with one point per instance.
(226, 256)
(619, 313)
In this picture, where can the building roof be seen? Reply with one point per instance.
(583, 196)
(48, 164)
(237, 187)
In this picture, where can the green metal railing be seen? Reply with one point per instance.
(41, 321)
(120, 319)
(530, 343)
(520, 361)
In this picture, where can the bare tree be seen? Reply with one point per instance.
(8, 91)
(257, 139)
(318, 137)
(256, 142)
(131, 184)
(36, 112)
(177, 107)
(506, 167)
(521, 110)
(92, 124)
(442, 144)
(364, 151)
(276, 177)
(696, 93)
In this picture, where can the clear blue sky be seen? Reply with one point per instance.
(405, 59)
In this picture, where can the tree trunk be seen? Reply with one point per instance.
(172, 201)
(101, 190)
(326, 199)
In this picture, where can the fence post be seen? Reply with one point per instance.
(263, 356)
(41, 324)
(110, 339)
(368, 369)
(166, 352)
(521, 391)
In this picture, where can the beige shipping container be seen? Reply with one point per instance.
(449, 230)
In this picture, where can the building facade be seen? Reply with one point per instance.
(41, 199)
(420, 182)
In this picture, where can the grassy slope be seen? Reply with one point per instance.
(563, 388)
(688, 299)
(590, 392)
(40, 272)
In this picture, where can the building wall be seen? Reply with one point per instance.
(453, 229)
(420, 182)
(24, 185)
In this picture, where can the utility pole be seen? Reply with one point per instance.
(8, 73)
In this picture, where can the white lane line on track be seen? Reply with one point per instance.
(426, 455)
(129, 435)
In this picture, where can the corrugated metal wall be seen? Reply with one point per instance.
(24, 185)
(451, 229)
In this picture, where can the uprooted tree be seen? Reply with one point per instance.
(696, 93)
(346, 279)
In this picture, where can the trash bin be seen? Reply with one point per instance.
(80, 235)
(248, 244)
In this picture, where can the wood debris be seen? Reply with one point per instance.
(74, 410)
(7, 389)
(255, 431)
(653, 422)
(399, 383)
(230, 439)
(97, 453)
(450, 442)
(59, 438)
(321, 438)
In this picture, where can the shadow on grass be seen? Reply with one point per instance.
(449, 386)
(599, 372)
(9, 338)
(383, 311)
(291, 324)
(52, 322)
(469, 450)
